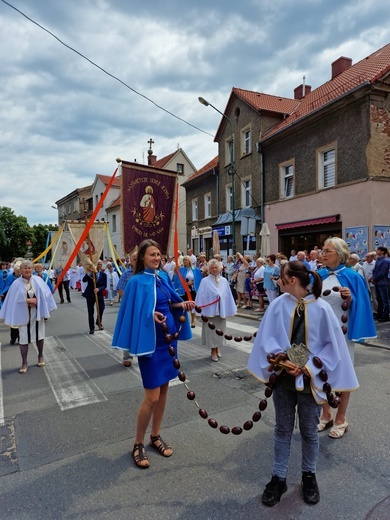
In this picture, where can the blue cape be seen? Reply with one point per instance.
(361, 322)
(135, 328)
(197, 279)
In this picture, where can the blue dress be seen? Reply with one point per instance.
(157, 368)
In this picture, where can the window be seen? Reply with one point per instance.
(74, 206)
(180, 168)
(326, 167)
(207, 205)
(286, 181)
(246, 141)
(195, 210)
(246, 193)
(96, 200)
(229, 196)
(229, 151)
(114, 223)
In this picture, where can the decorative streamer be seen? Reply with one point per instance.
(88, 226)
(176, 245)
(113, 252)
(56, 237)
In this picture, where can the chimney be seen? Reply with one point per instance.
(301, 91)
(340, 65)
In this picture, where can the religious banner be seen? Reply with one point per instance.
(147, 204)
(93, 244)
(357, 239)
(62, 249)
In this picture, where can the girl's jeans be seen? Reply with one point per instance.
(285, 402)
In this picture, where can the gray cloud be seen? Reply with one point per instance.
(63, 120)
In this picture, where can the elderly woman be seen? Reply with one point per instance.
(215, 299)
(258, 278)
(239, 276)
(346, 291)
(190, 275)
(29, 301)
(229, 268)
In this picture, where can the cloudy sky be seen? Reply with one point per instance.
(63, 120)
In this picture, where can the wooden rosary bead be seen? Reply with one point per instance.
(211, 326)
(171, 350)
(164, 327)
(168, 338)
(213, 423)
(198, 309)
(323, 376)
(270, 356)
(268, 392)
(182, 376)
(182, 318)
(237, 430)
(326, 388)
(238, 338)
(326, 292)
(247, 338)
(219, 332)
(224, 429)
(256, 417)
(228, 337)
(176, 363)
(273, 378)
(263, 405)
(317, 362)
(344, 329)
(344, 318)
(191, 395)
(203, 413)
(248, 425)
(204, 318)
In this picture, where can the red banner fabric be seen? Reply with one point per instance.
(147, 203)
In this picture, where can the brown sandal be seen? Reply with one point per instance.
(141, 456)
(162, 447)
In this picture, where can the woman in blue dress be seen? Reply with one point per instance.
(150, 310)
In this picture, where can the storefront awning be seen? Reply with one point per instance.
(239, 214)
(310, 222)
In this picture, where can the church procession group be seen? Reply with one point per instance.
(313, 306)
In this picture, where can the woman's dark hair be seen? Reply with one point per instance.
(139, 266)
(272, 257)
(302, 273)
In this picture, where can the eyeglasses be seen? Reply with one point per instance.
(327, 251)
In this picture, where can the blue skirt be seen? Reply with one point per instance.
(157, 368)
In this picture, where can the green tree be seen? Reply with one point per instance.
(39, 239)
(14, 234)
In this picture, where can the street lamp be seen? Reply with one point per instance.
(231, 168)
(61, 214)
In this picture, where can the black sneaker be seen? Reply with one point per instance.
(311, 493)
(273, 491)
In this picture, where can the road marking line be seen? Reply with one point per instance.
(1, 395)
(71, 385)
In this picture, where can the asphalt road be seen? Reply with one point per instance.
(67, 430)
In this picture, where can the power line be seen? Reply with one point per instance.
(105, 71)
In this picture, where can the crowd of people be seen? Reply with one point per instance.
(314, 306)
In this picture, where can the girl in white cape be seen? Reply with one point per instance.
(301, 329)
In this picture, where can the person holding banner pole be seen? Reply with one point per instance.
(96, 281)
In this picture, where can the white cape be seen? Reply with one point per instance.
(324, 339)
(14, 311)
(217, 290)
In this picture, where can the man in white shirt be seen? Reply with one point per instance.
(169, 267)
(190, 253)
(368, 267)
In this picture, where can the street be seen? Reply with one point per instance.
(67, 431)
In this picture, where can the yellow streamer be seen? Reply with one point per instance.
(59, 232)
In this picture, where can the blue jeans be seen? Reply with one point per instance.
(285, 402)
(382, 296)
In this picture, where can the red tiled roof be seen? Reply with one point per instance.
(368, 70)
(206, 168)
(116, 202)
(267, 102)
(162, 162)
(106, 179)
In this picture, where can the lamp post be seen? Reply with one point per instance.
(61, 214)
(231, 170)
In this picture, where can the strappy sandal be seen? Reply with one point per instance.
(141, 460)
(162, 447)
(338, 430)
(324, 425)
